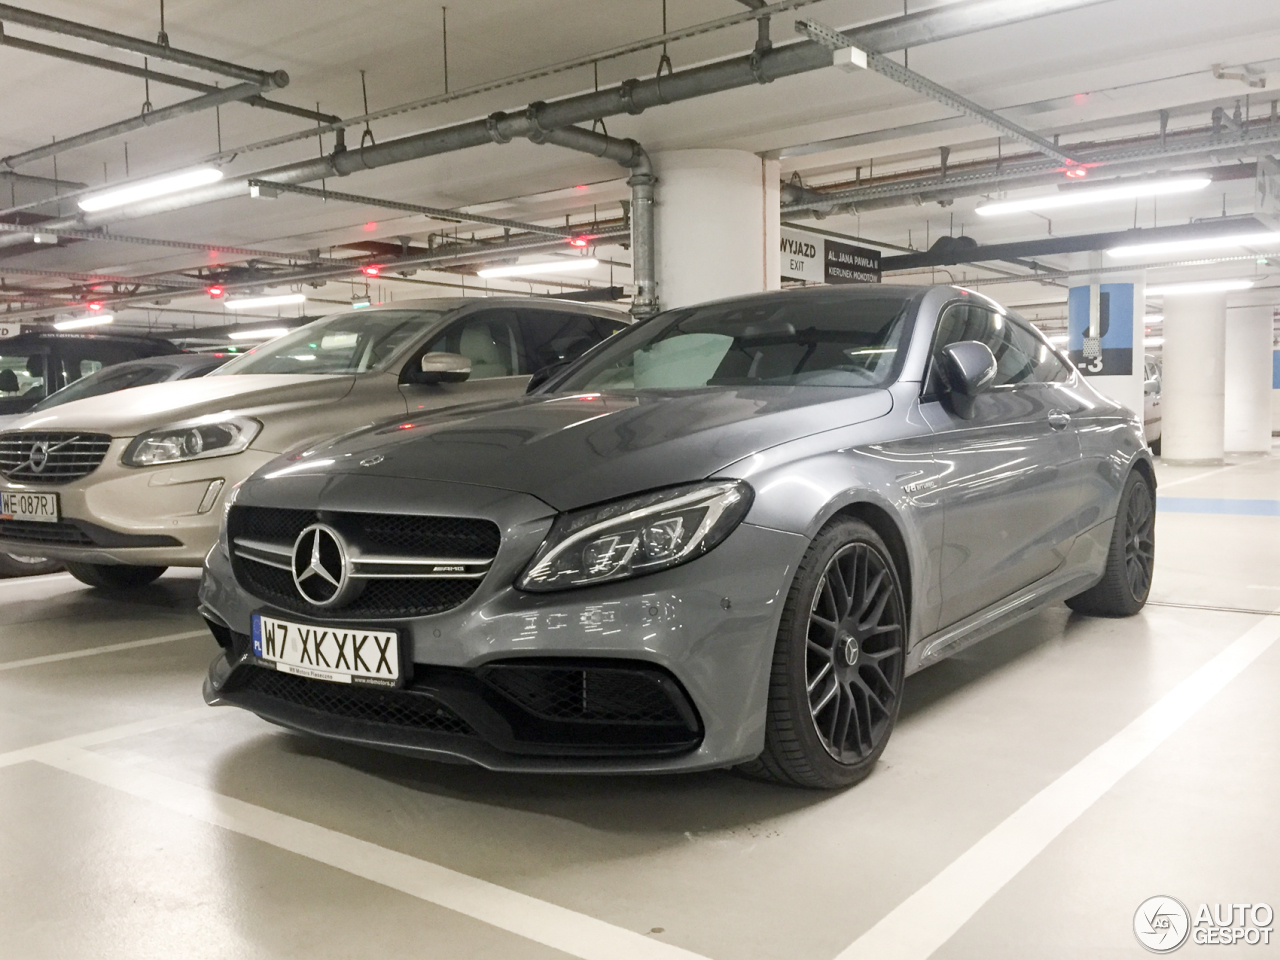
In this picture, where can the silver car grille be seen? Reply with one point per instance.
(407, 566)
(35, 457)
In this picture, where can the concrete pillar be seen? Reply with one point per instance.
(716, 225)
(1247, 399)
(1194, 372)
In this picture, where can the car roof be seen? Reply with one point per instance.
(447, 304)
(157, 346)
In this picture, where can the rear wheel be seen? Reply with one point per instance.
(1124, 586)
(113, 576)
(838, 664)
(18, 565)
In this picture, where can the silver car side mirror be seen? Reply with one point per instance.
(969, 367)
(444, 368)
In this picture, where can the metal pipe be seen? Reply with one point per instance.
(42, 181)
(240, 91)
(632, 96)
(42, 21)
(629, 154)
(438, 212)
(167, 79)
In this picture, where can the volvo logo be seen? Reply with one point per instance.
(321, 568)
(39, 456)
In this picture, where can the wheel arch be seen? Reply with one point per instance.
(886, 526)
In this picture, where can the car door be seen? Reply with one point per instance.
(1010, 488)
(492, 341)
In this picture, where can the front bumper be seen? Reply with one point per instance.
(162, 516)
(707, 627)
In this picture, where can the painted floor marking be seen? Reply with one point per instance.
(105, 648)
(1201, 476)
(107, 734)
(1221, 505)
(931, 916)
(546, 923)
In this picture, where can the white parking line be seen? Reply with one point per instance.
(554, 926)
(929, 917)
(105, 648)
(1201, 476)
(106, 735)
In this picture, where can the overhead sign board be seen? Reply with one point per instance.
(8, 330)
(817, 259)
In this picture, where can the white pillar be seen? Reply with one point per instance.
(1194, 365)
(716, 225)
(1248, 380)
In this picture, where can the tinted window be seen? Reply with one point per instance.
(109, 381)
(779, 341)
(490, 339)
(551, 338)
(1021, 356)
(22, 372)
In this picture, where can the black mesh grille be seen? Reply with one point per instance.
(599, 694)
(397, 708)
(32, 531)
(265, 523)
(62, 457)
(381, 598)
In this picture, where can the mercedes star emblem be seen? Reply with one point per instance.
(321, 569)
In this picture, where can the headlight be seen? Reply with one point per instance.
(224, 541)
(636, 536)
(199, 439)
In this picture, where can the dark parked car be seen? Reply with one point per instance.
(34, 365)
(723, 537)
(136, 373)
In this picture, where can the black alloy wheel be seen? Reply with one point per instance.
(839, 663)
(1126, 581)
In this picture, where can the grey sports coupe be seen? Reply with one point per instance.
(723, 537)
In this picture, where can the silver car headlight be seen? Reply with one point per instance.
(199, 439)
(635, 536)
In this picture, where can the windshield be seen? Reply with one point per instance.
(346, 343)
(807, 341)
(109, 381)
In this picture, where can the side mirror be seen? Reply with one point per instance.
(443, 368)
(968, 367)
(545, 374)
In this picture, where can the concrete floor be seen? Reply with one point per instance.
(1038, 788)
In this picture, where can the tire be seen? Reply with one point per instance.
(18, 565)
(1126, 582)
(846, 644)
(114, 577)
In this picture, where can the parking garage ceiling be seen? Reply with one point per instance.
(1100, 77)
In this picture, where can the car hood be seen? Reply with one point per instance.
(573, 450)
(129, 412)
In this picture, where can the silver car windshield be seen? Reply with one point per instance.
(839, 343)
(347, 343)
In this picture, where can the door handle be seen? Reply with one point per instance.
(1059, 420)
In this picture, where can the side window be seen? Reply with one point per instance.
(490, 339)
(1021, 357)
(551, 337)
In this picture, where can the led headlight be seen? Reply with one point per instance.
(199, 439)
(639, 535)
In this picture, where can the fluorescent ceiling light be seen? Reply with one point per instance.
(1084, 197)
(549, 266)
(1268, 238)
(147, 189)
(248, 303)
(1153, 318)
(95, 320)
(1153, 342)
(266, 333)
(1201, 286)
(1059, 339)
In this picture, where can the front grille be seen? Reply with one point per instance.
(32, 531)
(390, 537)
(33, 457)
(592, 693)
(397, 708)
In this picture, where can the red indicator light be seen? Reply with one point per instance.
(370, 226)
(95, 305)
(578, 242)
(580, 186)
(371, 270)
(215, 291)
(405, 426)
(1076, 173)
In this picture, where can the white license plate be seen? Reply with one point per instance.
(336, 654)
(42, 507)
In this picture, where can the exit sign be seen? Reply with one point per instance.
(8, 330)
